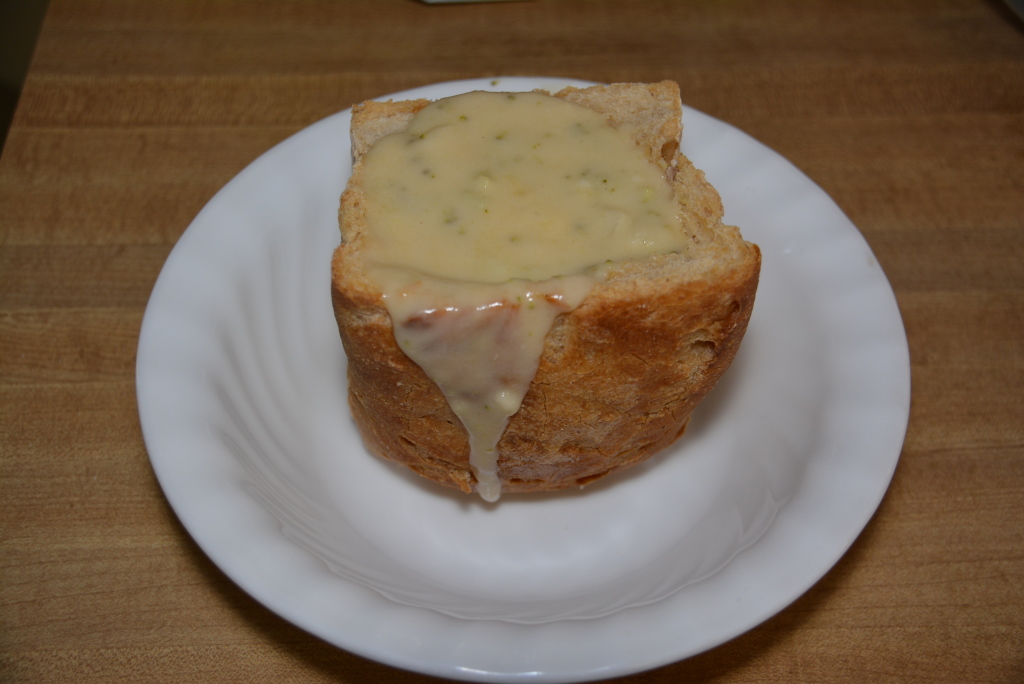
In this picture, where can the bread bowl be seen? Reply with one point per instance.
(630, 345)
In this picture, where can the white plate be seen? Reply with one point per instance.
(240, 381)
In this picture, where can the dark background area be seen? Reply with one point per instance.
(20, 21)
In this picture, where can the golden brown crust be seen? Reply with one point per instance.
(619, 375)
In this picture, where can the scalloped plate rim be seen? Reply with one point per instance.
(583, 663)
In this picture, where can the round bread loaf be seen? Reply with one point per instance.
(619, 375)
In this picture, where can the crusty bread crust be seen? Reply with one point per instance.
(619, 375)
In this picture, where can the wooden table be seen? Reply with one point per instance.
(909, 114)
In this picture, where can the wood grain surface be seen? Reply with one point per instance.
(135, 112)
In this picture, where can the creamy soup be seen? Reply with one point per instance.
(487, 218)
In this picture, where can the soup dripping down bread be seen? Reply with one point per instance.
(499, 337)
